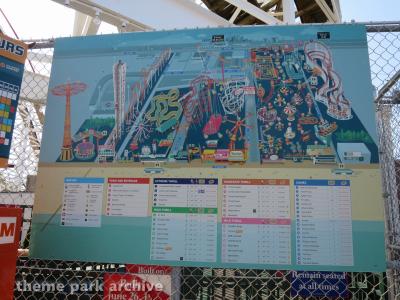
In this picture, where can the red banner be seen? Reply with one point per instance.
(129, 180)
(148, 269)
(10, 231)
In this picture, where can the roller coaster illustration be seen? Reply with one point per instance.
(258, 104)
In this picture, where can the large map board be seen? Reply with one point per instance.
(245, 147)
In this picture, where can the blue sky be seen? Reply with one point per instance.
(370, 10)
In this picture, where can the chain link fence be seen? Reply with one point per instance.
(84, 280)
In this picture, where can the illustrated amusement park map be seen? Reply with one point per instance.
(248, 147)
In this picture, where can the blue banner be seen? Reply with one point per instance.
(319, 284)
(322, 182)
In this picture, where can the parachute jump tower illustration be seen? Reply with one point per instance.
(68, 89)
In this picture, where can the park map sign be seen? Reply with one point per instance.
(249, 147)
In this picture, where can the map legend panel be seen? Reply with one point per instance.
(184, 220)
(256, 221)
(323, 222)
(82, 202)
(128, 197)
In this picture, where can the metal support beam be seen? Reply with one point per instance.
(289, 16)
(79, 23)
(84, 25)
(336, 10)
(108, 15)
(34, 140)
(91, 27)
(327, 11)
(149, 15)
(306, 10)
(256, 12)
(268, 5)
(235, 15)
